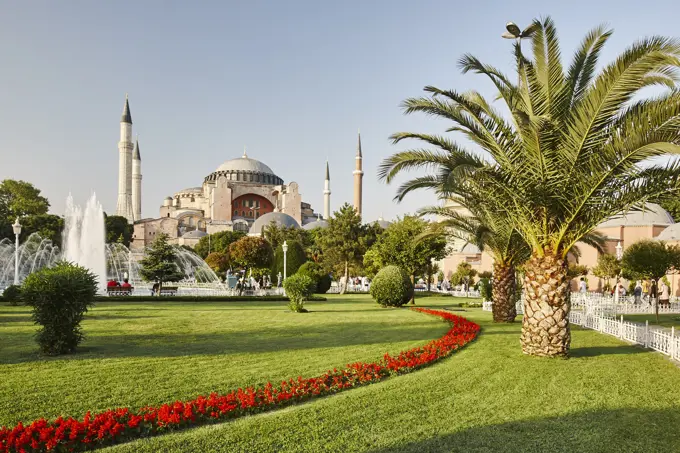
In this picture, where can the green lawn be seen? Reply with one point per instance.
(487, 397)
(664, 320)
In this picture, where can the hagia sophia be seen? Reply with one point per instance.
(242, 194)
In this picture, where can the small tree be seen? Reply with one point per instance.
(298, 289)
(218, 261)
(217, 242)
(250, 251)
(158, 264)
(650, 260)
(577, 270)
(607, 267)
(60, 297)
(464, 273)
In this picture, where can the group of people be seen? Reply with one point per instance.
(643, 291)
(115, 284)
(356, 283)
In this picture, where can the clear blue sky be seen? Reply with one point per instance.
(291, 80)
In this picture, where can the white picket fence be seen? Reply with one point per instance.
(593, 317)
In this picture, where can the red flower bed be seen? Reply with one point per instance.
(118, 425)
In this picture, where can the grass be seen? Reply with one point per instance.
(664, 320)
(609, 397)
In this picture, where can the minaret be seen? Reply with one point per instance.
(136, 183)
(327, 195)
(124, 208)
(358, 178)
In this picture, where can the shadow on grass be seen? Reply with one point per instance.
(595, 351)
(621, 430)
(265, 340)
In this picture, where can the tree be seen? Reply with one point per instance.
(217, 242)
(249, 252)
(576, 146)
(295, 257)
(277, 234)
(19, 199)
(404, 244)
(159, 263)
(341, 243)
(577, 270)
(218, 262)
(608, 267)
(48, 226)
(464, 274)
(116, 227)
(648, 259)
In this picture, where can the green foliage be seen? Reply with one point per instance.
(484, 285)
(298, 289)
(607, 266)
(464, 273)
(276, 235)
(48, 226)
(318, 274)
(649, 259)
(218, 261)
(440, 276)
(404, 244)
(60, 297)
(19, 199)
(116, 227)
(341, 242)
(392, 287)
(295, 257)
(672, 205)
(217, 242)
(12, 294)
(251, 251)
(158, 264)
(577, 270)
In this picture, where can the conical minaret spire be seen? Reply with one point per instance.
(327, 194)
(124, 206)
(358, 177)
(136, 182)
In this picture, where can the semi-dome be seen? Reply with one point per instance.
(279, 218)
(315, 224)
(671, 233)
(245, 169)
(470, 249)
(653, 214)
(194, 234)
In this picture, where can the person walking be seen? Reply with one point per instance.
(652, 291)
(664, 294)
(645, 290)
(582, 286)
(637, 292)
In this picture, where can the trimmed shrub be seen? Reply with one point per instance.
(391, 287)
(12, 294)
(295, 257)
(484, 288)
(60, 297)
(321, 278)
(298, 289)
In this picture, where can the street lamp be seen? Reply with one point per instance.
(16, 227)
(285, 250)
(513, 32)
(619, 255)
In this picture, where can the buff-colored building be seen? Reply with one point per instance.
(652, 223)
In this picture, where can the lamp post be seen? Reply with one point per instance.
(514, 32)
(619, 255)
(285, 250)
(16, 227)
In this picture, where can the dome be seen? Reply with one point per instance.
(245, 164)
(195, 234)
(279, 218)
(671, 233)
(315, 224)
(652, 215)
(191, 190)
(470, 249)
(383, 223)
(245, 169)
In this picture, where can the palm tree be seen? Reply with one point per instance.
(576, 147)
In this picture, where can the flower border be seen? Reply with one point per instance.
(120, 425)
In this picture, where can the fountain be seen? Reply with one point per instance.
(85, 244)
(84, 237)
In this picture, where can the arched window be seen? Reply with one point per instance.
(257, 214)
(251, 177)
(238, 176)
(193, 200)
(191, 221)
(168, 214)
(243, 213)
(250, 213)
(235, 213)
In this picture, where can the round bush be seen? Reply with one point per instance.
(12, 294)
(391, 287)
(60, 297)
(321, 278)
(298, 289)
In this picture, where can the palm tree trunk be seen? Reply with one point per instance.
(545, 326)
(502, 292)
